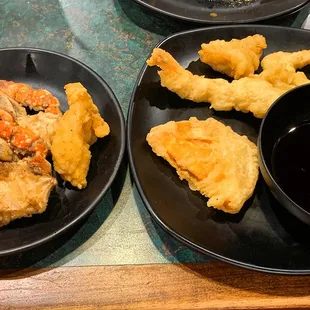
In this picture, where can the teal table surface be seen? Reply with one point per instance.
(114, 38)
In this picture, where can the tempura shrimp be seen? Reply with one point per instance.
(248, 94)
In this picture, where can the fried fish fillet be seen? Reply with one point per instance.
(78, 128)
(236, 58)
(280, 68)
(249, 94)
(211, 157)
(24, 189)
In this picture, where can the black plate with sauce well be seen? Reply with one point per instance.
(284, 151)
(224, 11)
(263, 236)
(67, 205)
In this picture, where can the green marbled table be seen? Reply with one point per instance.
(113, 37)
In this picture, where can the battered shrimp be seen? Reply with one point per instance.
(249, 94)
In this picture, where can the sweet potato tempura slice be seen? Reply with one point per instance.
(215, 160)
(78, 128)
(236, 58)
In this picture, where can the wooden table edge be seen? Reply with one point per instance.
(155, 286)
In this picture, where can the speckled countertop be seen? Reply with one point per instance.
(113, 37)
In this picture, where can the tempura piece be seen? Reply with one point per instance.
(236, 58)
(6, 153)
(280, 68)
(249, 94)
(43, 124)
(78, 128)
(211, 157)
(25, 187)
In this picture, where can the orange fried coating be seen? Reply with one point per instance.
(78, 128)
(236, 58)
(36, 99)
(211, 157)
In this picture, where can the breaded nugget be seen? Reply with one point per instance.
(236, 58)
(78, 128)
(211, 157)
(249, 94)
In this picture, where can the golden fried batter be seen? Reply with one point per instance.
(280, 68)
(78, 128)
(215, 160)
(25, 187)
(236, 58)
(249, 94)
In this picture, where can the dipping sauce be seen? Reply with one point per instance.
(291, 164)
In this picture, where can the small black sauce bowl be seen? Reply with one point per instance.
(289, 110)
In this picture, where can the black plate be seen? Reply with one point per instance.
(263, 236)
(67, 206)
(228, 11)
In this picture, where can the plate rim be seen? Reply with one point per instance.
(224, 22)
(120, 157)
(147, 204)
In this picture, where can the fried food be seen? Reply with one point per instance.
(280, 69)
(11, 106)
(249, 94)
(78, 128)
(236, 58)
(211, 157)
(36, 99)
(25, 175)
(24, 189)
(42, 124)
(21, 139)
(6, 153)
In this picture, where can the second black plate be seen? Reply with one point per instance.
(263, 236)
(224, 11)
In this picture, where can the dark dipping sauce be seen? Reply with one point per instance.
(291, 164)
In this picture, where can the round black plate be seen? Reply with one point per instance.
(67, 205)
(263, 236)
(228, 11)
